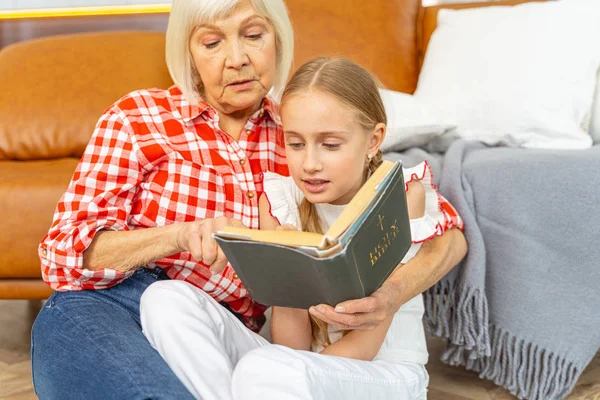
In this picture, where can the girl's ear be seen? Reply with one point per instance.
(377, 137)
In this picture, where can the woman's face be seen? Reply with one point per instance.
(236, 58)
(326, 148)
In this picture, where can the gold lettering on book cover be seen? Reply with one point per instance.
(385, 241)
(380, 221)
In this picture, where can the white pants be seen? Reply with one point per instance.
(218, 358)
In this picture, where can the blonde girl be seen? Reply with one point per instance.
(334, 123)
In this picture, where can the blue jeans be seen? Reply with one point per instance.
(89, 345)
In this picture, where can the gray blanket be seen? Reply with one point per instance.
(523, 308)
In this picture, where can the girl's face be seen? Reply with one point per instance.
(326, 148)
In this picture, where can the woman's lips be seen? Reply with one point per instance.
(241, 86)
(315, 185)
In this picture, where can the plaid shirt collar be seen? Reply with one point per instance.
(190, 111)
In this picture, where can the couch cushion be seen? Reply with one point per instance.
(29, 192)
(53, 90)
(378, 34)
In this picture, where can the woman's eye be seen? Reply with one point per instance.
(332, 145)
(254, 37)
(211, 45)
(295, 145)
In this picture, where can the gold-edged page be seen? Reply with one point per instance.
(284, 238)
(359, 203)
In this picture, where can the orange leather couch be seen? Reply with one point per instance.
(53, 90)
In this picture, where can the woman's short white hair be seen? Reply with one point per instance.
(186, 15)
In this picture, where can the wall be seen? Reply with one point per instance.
(19, 4)
(12, 31)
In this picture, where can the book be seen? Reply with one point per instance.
(350, 261)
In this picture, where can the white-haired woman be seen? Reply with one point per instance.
(163, 170)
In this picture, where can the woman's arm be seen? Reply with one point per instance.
(435, 259)
(127, 250)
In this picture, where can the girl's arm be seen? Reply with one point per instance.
(360, 345)
(289, 326)
(364, 345)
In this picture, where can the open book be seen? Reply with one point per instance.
(351, 260)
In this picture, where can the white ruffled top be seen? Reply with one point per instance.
(284, 197)
(405, 340)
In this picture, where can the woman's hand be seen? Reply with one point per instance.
(435, 259)
(364, 314)
(196, 237)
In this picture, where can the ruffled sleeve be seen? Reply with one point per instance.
(283, 197)
(439, 216)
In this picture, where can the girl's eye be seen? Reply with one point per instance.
(254, 37)
(332, 146)
(295, 145)
(211, 45)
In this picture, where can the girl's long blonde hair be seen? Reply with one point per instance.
(355, 87)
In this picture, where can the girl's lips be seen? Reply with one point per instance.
(241, 86)
(315, 186)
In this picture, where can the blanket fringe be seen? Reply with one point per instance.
(526, 370)
(460, 315)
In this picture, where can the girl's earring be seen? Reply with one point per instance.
(370, 157)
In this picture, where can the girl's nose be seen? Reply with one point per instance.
(311, 162)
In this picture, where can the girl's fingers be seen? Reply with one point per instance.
(286, 227)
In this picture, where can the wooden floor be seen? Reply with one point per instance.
(447, 383)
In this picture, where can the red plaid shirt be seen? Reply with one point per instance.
(155, 159)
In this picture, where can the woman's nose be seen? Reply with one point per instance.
(237, 57)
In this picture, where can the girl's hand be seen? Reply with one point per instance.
(364, 314)
(196, 237)
(286, 227)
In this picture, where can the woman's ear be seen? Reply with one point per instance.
(377, 137)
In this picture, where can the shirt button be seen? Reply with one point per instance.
(235, 276)
(44, 252)
(250, 195)
(242, 161)
(248, 132)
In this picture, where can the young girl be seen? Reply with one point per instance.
(334, 123)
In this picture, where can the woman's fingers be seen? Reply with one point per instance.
(220, 262)
(199, 241)
(365, 305)
(209, 244)
(363, 314)
(342, 321)
(195, 245)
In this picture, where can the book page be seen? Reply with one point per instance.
(284, 238)
(359, 202)
(357, 206)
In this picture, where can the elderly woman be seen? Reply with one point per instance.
(163, 170)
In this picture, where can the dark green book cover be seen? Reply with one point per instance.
(288, 277)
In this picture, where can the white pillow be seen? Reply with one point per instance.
(410, 123)
(521, 75)
(595, 123)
